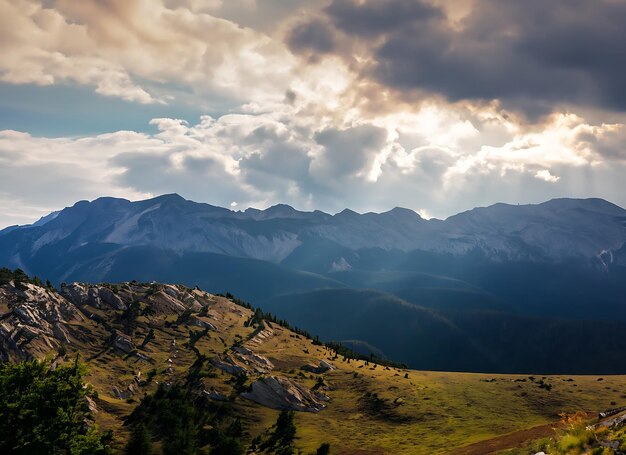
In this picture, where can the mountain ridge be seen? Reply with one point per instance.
(558, 266)
(272, 234)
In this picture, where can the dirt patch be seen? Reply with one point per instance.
(508, 441)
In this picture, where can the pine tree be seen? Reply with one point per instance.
(139, 442)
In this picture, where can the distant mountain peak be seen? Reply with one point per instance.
(403, 212)
(553, 230)
(281, 208)
(171, 197)
(347, 213)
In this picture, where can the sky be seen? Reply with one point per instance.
(434, 105)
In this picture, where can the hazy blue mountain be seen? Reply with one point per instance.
(481, 290)
(553, 231)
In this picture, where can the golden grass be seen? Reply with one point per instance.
(375, 409)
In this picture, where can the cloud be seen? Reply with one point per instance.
(545, 175)
(347, 153)
(433, 105)
(259, 159)
(531, 56)
(315, 36)
(372, 18)
(132, 48)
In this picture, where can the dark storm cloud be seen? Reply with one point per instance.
(531, 54)
(315, 36)
(374, 17)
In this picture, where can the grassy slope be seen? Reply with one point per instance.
(428, 412)
(440, 411)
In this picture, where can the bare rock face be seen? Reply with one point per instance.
(285, 394)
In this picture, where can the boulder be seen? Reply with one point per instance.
(109, 299)
(123, 342)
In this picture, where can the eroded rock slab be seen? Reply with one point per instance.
(226, 363)
(284, 394)
(95, 296)
(323, 367)
(252, 359)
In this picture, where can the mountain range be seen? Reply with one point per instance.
(506, 288)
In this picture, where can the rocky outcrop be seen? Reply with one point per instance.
(285, 394)
(323, 367)
(251, 359)
(261, 336)
(200, 321)
(95, 296)
(188, 299)
(226, 363)
(91, 404)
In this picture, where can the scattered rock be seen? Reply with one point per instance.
(143, 357)
(611, 412)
